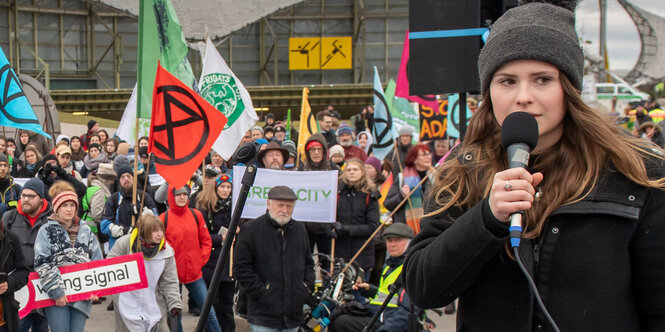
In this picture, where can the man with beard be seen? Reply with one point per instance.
(118, 210)
(345, 138)
(31, 213)
(274, 265)
(273, 156)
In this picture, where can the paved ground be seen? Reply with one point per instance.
(103, 321)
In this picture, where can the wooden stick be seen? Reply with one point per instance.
(388, 221)
(401, 170)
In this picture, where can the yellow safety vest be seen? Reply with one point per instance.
(383, 292)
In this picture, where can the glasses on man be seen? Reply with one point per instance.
(28, 196)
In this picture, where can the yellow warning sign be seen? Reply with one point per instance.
(336, 53)
(320, 53)
(304, 53)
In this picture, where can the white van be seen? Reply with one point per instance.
(623, 92)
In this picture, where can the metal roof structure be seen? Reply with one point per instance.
(217, 17)
(651, 27)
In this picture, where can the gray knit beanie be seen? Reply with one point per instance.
(536, 30)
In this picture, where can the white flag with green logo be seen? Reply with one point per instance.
(223, 90)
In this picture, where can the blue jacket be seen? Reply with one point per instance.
(118, 210)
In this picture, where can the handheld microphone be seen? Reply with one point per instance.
(245, 154)
(519, 135)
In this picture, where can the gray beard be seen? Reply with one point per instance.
(280, 221)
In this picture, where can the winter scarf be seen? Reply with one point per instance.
(414, 209)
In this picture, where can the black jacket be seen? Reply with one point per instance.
(215, 221)
(331, 138)
(18, 223)
(359, 215)
(275, 266)
(402, 149)
(597, 265)
(12, 263)
(44, 175)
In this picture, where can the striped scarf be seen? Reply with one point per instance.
(414, 209)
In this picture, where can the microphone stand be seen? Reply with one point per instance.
(392, 290)
(247, 182)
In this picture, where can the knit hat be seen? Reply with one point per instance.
(182, 190)
(405, 131)
(345, 129)
(35, 185)
(96, 146)
(91, 124)
(290, 146)
(280, 127)
(48, 157)
(223, 178)
(65, 196)
(336, 149)
(122, 169)
(374, 162)
(3, 157)
(536, 30)
(312, 144)
(268, 129)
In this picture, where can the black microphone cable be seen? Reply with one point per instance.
(534, 289)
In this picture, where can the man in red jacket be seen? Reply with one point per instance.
(187, 233)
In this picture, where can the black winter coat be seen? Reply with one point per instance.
(12, 263)
(215, 221)
(360, 216)
(19, 225)
(598, 264)
(275, 266)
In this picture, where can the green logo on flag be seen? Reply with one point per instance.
(221, 91)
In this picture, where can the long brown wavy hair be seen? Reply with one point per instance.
(590, 143)
(365, 184)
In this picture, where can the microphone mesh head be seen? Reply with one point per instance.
(519, 127)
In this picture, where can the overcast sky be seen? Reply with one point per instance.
(623, 42)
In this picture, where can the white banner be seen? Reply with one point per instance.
(316, 191)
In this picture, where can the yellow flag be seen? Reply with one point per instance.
(308, 124)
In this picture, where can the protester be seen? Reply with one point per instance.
(31, 213)
(316, 155)
(246, 138)
(118, 210)
(9, 191)
(64, 241)
(11, 161)
(256, 132)
(147, 161)
(269, 132)
(12, 149)
(52, 172)
(325, 120)
(290, 146)
(270, 120)
(215, 205)
(345, 138)
(186, 231)
(103, 137)
(94, 139)
(94, 201)
(93, 159)
(373, 169)
(439, 148)
(93, 127)
(273, 156)
(209, 176)
(15, 271)
(31, 160)
(280, 133)
(591, 200)
(365, 141)
(336, 154)
(417, 165)
(274, 265)
(78, 153)
(217, 162)
(143, 141)
(147, 309)
(64, 155)
(404, 143)
(357, 214)
(652, 133)
(40, 142)
(395, 317)
(23, 140)
(111, 149)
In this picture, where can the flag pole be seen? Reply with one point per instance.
(139, 80)
(401, 170)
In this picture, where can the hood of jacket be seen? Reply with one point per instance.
(325, 161)
(173, 208)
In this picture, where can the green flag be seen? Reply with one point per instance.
(404, 113)
(160, 38)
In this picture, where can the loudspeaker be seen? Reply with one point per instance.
(439, 65)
